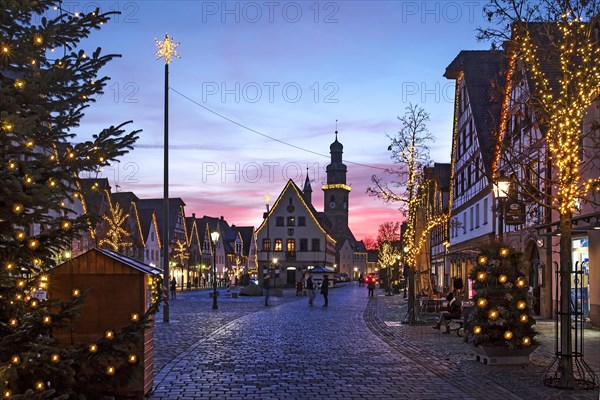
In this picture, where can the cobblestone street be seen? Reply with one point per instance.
(354, 349)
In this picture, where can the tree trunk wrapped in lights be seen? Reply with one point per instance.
(46, 81)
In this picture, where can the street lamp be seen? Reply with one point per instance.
(215, 238)
(405, 271)
(500, 190)
(167, 49)
(274, 265)
(267, 200)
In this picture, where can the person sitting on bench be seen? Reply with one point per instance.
(454, 312)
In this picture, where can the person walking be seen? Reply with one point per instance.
(325, 289)
(266, 287)
(310, 287)
(173, 287)
(371, 286)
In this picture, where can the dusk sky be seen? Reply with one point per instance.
(287, 70)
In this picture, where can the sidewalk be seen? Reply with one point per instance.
(450, 355)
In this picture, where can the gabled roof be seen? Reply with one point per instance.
(95, 194)
(127, 202)
(246, 232)
(147, 217)
(176, 206)
(484, 76)
(441, 172)
(192, 228)
(311, 210)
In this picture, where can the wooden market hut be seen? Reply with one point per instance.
(117, 287)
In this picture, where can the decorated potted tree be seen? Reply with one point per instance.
(501, 326)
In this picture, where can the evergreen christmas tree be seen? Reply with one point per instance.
(502, 314)
(46, 82)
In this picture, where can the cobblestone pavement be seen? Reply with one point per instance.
(354, 349)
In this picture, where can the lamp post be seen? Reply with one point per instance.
(500, 190)
(167, 50)
(274, 266)
(267, 200)
(215, 238)
(405, 271)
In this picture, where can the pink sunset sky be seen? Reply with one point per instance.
(287, 70)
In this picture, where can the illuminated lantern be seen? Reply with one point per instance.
(481, 303)
(521, 282)
(76, 293)
(47, 319)
(482, 260)
(526, 341)
(93, 348)
(502, 278)
(110, 370)
(477, 329)
(15, 360)
(504, 252)
(481, 276)
(55, 358)
(521, 305)
(493, 314)
(39, 385)
(135, 317)
(109, 334)
(132, 359)
(508, 335)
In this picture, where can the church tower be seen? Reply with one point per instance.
(336, 192)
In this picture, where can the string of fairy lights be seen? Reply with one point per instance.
(579, 85)
(12, 125)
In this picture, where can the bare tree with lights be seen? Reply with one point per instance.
(554, 45)
(410, 154)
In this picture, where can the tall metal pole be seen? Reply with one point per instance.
(167, 50)
(165, 240)
(214, 305)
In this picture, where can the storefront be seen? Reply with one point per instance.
(580, 257)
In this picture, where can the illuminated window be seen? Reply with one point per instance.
(291, 246)
(278, 245)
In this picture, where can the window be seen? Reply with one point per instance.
(477, 215)
(471, 218)
(316, 245)
(291, 221)
(476, 162)
(301, 221)
(266, 246)
(485, 211)
(464, 223)
(469, 176)
(279, 221)
(147, 254)
(278, 245)
(152, 236)
(291, 246)
(303, 244)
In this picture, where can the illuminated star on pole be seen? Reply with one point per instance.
(167, 49)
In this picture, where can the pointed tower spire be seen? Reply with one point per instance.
(307, 191)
